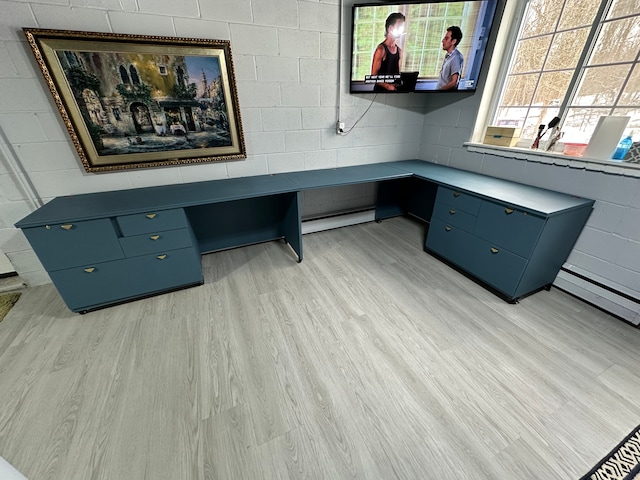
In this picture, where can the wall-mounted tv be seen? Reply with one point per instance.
(399, 47)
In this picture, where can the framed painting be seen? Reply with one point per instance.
(133, 101)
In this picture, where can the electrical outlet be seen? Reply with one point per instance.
(339, 127)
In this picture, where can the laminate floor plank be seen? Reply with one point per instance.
(369, 360)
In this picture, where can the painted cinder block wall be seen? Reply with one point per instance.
(285, 54)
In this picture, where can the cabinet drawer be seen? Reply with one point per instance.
(68, 245)
(451, 215)
(449, 241)
(152, 222)
(100, 284)
(156, 242)
(491, 264)
(458, 200)
(513, 229)
(496, 266)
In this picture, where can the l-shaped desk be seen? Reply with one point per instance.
(105, 248)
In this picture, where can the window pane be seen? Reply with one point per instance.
(631, 93)
(552, 88)
(601, 85)
(620, 8)
(535, 118)
(519, 89)
(541, 17)
(511, 117)
(566, 49)
(580, 123)
(617, 42)
(633, 128)
(530, 54)
(578, 13)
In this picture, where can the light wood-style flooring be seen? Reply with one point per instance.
(369, 360)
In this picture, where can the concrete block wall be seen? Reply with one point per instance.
(607, 251)
(286, 63)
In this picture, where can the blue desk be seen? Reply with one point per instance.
(105, 248)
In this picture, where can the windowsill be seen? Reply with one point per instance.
(554, 158)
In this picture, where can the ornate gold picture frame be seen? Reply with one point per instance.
(133, 101)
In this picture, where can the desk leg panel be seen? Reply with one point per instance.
(292, 225)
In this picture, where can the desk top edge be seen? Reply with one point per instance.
(115, 203)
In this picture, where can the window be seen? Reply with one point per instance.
(576, 59)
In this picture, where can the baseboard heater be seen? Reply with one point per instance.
(337, 220)
(599, 292)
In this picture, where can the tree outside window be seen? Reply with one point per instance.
(575, 59)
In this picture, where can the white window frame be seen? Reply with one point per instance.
(500, 60)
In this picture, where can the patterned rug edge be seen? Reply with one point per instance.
(621, 463)
(7, 301)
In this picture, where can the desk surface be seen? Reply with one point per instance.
(140, 200)
(526, 197)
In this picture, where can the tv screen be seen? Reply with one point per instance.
(416, 46)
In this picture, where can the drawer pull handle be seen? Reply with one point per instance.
(508, 211)
(151, 216)
(48, 227)
(494, 250)
(162, 257)
(456, 194)
(90, 269)
(447, 228)
(67, 226)
(452, 212)
(154, 237)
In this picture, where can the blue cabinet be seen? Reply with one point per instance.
(104, 248)
(501, 244)
(94, 263)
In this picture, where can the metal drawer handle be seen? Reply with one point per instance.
(494, 250)
(452, 212)
(67, 226)
(154, 237)
(151, 216)
(508, 211)
(447, 228)
(456, 194)
(90, 269)
(161, 257)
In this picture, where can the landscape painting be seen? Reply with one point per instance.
(139, 101)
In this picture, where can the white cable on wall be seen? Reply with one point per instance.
(340, 29)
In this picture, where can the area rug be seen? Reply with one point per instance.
(622, 463)
(7, 301)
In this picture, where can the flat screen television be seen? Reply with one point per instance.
(414, 31)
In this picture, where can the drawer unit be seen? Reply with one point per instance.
(75, 243)
(513, 229)
(156, 242)
(151, 222)
(458, 200)
(456, 217)
(98, 284)
(493, 265)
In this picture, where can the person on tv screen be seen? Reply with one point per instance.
(452, 65)
(387, 55)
